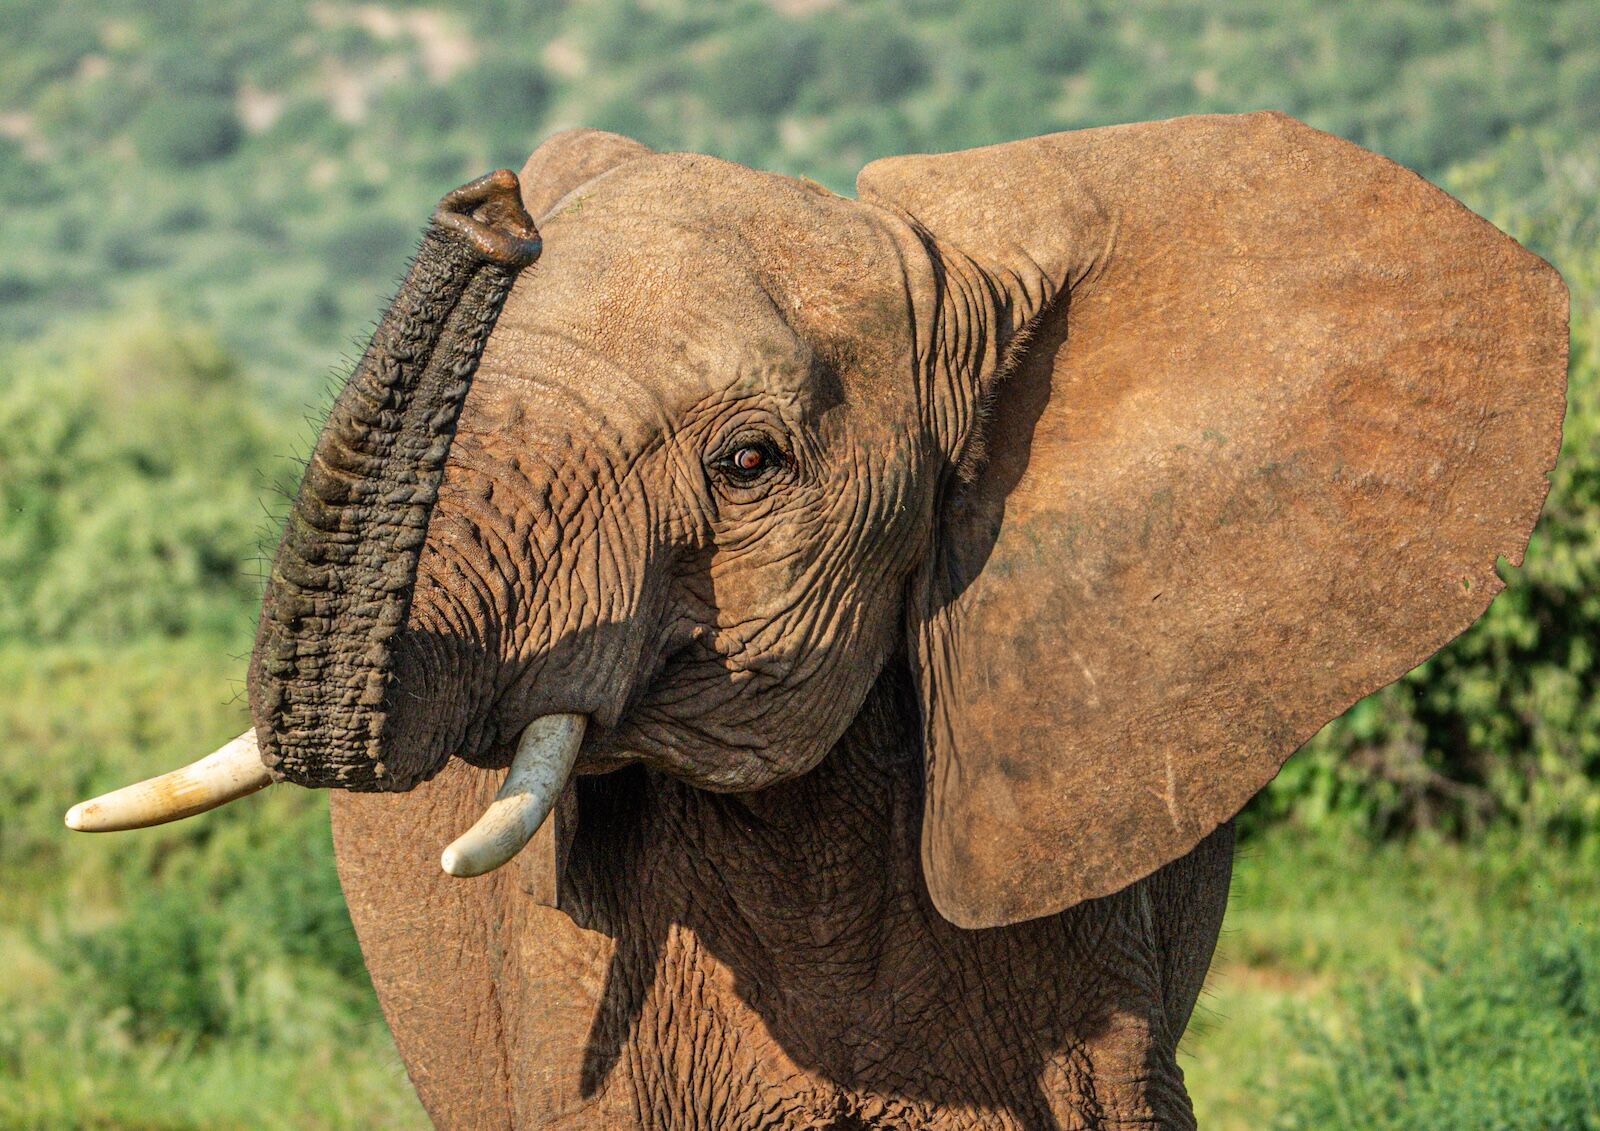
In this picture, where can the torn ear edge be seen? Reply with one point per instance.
(1283, 407)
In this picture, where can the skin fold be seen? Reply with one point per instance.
(768, 959)
(938, 572)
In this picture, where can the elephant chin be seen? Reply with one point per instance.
(322, 673)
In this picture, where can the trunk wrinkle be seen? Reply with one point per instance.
(321, 679)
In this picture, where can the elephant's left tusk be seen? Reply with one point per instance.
(545, 755)
(233, 772)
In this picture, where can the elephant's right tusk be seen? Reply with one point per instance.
(546, 752)
(233, 772)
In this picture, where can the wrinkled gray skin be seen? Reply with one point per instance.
(747, 935)
(590, 551)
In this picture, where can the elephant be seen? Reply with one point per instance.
(834, 636)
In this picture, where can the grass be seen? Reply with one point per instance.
(1320, 928)
(203, 975)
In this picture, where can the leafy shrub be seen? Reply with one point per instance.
(14, 286)
(18, 175)
(199, 975)
(228, 928)
(371, 244)
(868, 61)
(507, 95)
(142, 97)
(1498, 1035)
(159, 965)
(131, 477)
(187, 129)
(761, 69)
(203, 946)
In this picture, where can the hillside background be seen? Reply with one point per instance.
(206, 204)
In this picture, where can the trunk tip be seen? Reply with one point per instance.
(490, 214)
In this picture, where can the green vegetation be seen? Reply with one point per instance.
(1498, 1032)
(1425, 983)
(205, 205)
(132, 487)
(263, 167)
(203, 975)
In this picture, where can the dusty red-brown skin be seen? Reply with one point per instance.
(940, 571)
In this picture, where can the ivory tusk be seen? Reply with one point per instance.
(545, 755)
(233, 772)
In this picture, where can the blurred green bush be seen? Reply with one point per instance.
(199, 975)
(132, 474)
(318, 127)
(204, 974)
(1497, 1033)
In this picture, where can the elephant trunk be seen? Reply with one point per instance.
(334, 644)
(322, 675)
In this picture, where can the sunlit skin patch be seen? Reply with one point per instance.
(733, 483)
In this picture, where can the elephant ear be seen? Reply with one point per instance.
(567, 161)
(1277, 409)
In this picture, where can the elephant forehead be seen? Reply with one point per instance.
(680, 280)
(669, 289)
(682, 228)
(639, 340)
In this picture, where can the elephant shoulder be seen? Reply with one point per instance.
(490, 995)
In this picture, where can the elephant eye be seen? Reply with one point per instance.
(748, 459)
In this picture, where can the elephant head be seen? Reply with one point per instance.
(1146, 450)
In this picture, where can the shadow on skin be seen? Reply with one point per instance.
(811, 893)
(849, 992)
(1012, 414)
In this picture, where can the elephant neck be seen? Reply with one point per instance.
(722, 954)
(797, 919)
(794, 863)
